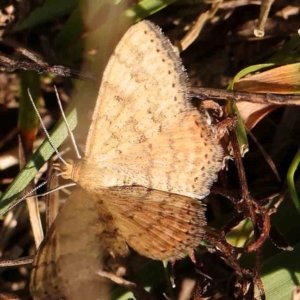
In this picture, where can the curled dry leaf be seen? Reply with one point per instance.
(252, 113)
(283, 79)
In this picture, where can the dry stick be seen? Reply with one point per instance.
(32, 204)
(266, 218)
(255, 275)
(214, 237)
(258, 254)
(39, 66)
(259, 98)
(257, 279)
(237, 3)
(242, 177)
(52, 199)
(231, 196)
(30, 55)
(259, 31)
(265, 229)
(27, 260)
(137, 291)
(246, 197)
(195, 30)
(264, 98)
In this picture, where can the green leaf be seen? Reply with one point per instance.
(68, 37)
(232, 108)
(145, 8)
(281, 273)
(50, 10)
(248, 70)
(28, 120)
(289, 53)
(44, 152)
(281, 269)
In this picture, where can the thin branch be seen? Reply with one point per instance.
(259, 31)
(11, 65)
(242, 176)
(27, 260)
(264, 98)
(197, 27)
(137, 291)
(25, 150)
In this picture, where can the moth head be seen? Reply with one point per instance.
(66, 169)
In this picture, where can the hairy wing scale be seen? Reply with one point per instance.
(156, 224)
(147, 136)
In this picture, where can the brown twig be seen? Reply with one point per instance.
(238, 3)
(217, 239)
(39, 66)
(26, 260)
(137, 291)
(242, 176)
(263, 214)
(261, 224)
(259, 31)
(264, 98)
(52, 199)
(265, 228)
(195, 30)
(25, 150)
(257, 279)
(232, 196)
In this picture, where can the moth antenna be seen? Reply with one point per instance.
(67, 124)
(55, 189)
(45, 130)
(36, 188)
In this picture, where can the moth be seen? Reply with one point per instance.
(150, 157)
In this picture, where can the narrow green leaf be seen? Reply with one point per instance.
(145, 8)
(44, 152)
(290, 180)
(50, 10)
(232, 108)
(248, 70)
(28, 120)
(289, 53)
(281, 273)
